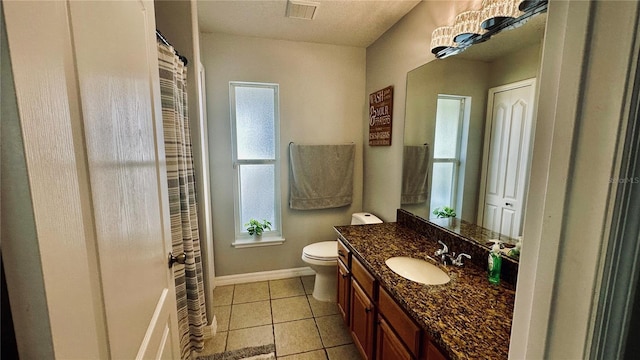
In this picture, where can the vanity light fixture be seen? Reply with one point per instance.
(441, 39)
(467, 25)
(495, 12)
(476, 26)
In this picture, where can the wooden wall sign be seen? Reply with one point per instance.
(380, 117)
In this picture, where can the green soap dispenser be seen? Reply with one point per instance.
(495, 263)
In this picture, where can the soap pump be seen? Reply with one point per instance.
(495, 263)
(515, 252)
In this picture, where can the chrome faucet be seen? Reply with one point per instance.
(444, 250)
(458, 261)
(445, 257)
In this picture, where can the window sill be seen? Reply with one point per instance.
(265, 241)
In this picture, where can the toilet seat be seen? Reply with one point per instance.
(321, 251)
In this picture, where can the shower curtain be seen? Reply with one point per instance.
(182, 201)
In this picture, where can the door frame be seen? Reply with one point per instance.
(487, 145)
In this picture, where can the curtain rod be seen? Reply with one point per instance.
(164, 40)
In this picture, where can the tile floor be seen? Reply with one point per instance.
(280, 312)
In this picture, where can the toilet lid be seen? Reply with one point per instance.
(324, 250)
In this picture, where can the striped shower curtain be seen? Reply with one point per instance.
(182, 201)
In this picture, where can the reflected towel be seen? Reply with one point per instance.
(415, 170)
(320, 176)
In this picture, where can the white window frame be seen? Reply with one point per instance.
(242, 237)
(455, 200)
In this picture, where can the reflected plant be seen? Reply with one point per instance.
(445, 212)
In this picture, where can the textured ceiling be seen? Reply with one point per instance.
(348, 22)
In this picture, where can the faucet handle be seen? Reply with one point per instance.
(444, 250)
(458, 261)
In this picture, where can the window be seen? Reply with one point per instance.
(450, 119)
(255, 130)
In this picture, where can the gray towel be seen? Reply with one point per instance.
(415, 168)
(320, 176)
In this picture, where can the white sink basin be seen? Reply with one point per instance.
(417, 270)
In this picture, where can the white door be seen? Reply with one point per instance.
(507, 152)
(110, 74)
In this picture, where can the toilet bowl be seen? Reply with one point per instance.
(322, 257)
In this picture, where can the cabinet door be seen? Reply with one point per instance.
(389, 345)
(405, 328)
(361, 321)
(344, 291)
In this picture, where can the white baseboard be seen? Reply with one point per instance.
(262, 276)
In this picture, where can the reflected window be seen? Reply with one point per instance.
(450, 117)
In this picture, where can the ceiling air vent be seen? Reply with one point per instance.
(298, 9)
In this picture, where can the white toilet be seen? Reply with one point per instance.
(322, 257)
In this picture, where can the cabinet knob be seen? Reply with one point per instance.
(367, 309)
(340, 253)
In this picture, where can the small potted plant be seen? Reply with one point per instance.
(445, 212)
(256, 228)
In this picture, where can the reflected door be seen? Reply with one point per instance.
(510, 118)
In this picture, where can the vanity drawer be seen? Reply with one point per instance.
(344, 254)
(364, 278)
(403, 325)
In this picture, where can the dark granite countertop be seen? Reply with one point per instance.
(473, 232)
(467, 317)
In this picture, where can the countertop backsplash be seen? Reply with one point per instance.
(459, 243)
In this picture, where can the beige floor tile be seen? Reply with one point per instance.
(308, 282)
(291, 308)
(222, 295)
(311, 355)
(255, 336)
(344, 352)
(333, 331)
(286, 288)
(296, 337)
(322, 308)
(250, 315)
(222, 314)
(214, 345)
(251, 292)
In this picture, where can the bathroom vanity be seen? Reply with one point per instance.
(391, 317)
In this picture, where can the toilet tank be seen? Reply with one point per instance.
(364, 218)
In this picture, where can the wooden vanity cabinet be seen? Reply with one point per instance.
(344, 281)
(388, 344)
(432, 352)
(362, 311)
(380, 329)
(406, 330)
(344, 291)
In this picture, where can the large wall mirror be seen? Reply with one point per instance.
(468, 130)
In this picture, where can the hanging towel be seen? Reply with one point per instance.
(415, 170)
(320, 176)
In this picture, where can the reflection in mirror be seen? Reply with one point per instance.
(447, 103)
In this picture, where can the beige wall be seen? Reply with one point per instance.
(520, 65)
(402, 48)
(321, 102)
